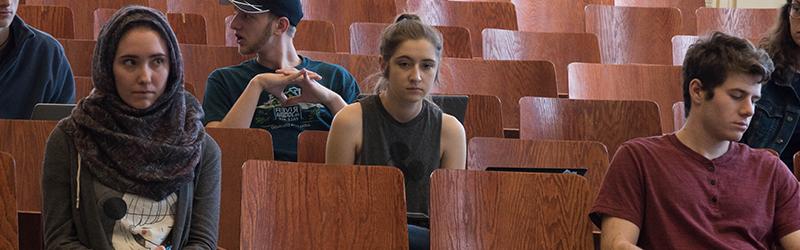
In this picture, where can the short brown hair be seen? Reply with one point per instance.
(713, 58)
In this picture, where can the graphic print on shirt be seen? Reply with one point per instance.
(272, 115)
(146, 224)
(400, 154)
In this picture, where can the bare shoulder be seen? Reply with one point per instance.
(451, 126)
(349, 117)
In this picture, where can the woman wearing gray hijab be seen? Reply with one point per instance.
(132, 167)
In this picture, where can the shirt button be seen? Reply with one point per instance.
(711, 168)
(779, 141)
(713, 182)
(714, 199)
(789, 118)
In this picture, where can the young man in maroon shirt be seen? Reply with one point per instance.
(699, 188)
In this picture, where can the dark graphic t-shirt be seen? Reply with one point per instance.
(225, 85)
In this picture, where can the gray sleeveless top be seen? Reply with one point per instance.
(413, 147)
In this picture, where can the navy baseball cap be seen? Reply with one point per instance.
(291, 9)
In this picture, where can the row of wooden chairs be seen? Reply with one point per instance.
(626, 34)
(237, 145)
(508, 80)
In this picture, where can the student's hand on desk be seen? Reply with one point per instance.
(275, 83)
(313, 92)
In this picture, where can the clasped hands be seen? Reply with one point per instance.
(276, 83)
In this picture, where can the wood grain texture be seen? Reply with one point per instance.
(83, 87)
(475, 16)
(213, 12)
(365, 68)
(189, 28)
(313, 35)
(678, 115)
(495, 152)
(796, 162)
(237, 146)
(484, 117)
(680, 44)
(547, 16)
(342, 13)
(661, 84)
(750, 24)
(26, 140)
(365, 39)
(604, 2)
(608, 122)
(559, 48)
(508, 80)
(101, 17)
(83, 12)
(8, 204)
(200, 60)
(314, 206)
(687, 7)
(79, 54)
(311, 145)
(55, 20)
(503, 210)
(633, 34)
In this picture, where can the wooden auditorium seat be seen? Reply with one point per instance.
(750, 24)
(55, 20)
(79, 54)
(212, 10)
(365, 39)
(200, 60)
(26, 140)
(605, 121)
(508, 210)
(311, 145)
(559, 48)
(83, 11)
(658, 83)
(687, 7)
(83, 87)
(633, 34)
(555, 16)
(680, 44)
(189, 28)
(475, 16)
(508, 80)
(237, 146)
(796, 163)
(9, 231)
(342, 13)
(499, 152)
(287, 205)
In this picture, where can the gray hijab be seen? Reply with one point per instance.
(150, 152)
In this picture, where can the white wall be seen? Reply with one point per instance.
(745, 3)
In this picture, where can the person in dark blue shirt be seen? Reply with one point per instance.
(33, 67)
(278, 90)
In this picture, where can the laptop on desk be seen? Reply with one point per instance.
(51, 111)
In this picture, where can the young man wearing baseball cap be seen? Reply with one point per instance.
(278, 90)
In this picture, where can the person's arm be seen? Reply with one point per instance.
(791, 241)
(205, 208)
(64, 81)
(453, 143)
(57, 203)
(618, 234)
(241, 114)
(313, 92)
(344, 138)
